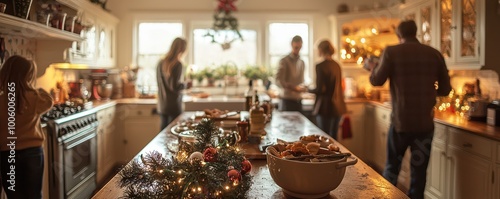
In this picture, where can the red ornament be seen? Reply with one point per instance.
(246, 167)
(210, 154)
(226, 6)
(234, 175)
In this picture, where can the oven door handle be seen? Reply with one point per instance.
(81, 140)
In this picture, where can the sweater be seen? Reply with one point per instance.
(24, 129)
(290, 74)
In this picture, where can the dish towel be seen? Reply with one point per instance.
(346, 127)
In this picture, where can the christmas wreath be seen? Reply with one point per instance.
(224, 20)
(211, 167)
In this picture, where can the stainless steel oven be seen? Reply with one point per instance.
(73, 156)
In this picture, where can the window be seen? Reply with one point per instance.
(241, 53)
(280, 37)
(154, 40)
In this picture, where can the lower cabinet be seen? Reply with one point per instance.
(496, 184)
(356, 143)
(106, 144)
(470, 175)
(461, 165)
(436, 170)
(139, 125)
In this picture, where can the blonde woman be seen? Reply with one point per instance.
(169, 72)
(21, 135)
(329, 105)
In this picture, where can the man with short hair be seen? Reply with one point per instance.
(413, 69)
(290, 76)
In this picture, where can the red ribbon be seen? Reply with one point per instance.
(226, 6)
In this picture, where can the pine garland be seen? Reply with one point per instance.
(181, 176)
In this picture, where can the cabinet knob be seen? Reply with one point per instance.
(467, 145)
(453, 27)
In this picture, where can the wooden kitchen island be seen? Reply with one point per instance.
(360, 180)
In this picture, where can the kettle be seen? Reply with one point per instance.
(478, 105)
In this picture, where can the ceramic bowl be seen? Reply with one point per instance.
(307, 179)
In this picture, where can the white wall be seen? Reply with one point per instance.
(128, 10)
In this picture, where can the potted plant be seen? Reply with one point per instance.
(209, 74)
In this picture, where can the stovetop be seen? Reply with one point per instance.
(61, 110)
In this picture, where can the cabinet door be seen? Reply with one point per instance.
(470, 175)
(426, 23)
(436, 172)
(138, 132)
(467, 24)
(380, 145)
(355, 143)
(445, 28)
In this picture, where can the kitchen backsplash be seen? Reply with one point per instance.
(489, 80)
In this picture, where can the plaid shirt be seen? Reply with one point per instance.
(413, 69)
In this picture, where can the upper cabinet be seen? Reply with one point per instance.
(459, 29)
(361, 35)
(97, 49)
(425, 16)
(459, 32)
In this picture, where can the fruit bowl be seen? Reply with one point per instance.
(307, 179)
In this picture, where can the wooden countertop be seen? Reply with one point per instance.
(360, 180)
(478, 128)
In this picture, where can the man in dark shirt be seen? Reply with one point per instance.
(413, 70)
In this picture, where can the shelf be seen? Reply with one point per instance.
(90, 8)
(30, 29)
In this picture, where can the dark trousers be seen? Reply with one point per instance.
(166, 120)
(28, 173)
(420, 147)
(329, 124)
(290, 105)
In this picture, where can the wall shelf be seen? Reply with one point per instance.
(30, 29)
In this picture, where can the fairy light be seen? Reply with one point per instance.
(360, 60)
(238, 149)
(348, 56)
(363, 40)
(347, 40)
(353, 42)
(160, 171)
(374, 31)
(179, 172)
(353, 50)
(199, 189)
(343, 56)
(227, 187)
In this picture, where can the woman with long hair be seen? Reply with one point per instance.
(168, 73)
(329, 105)
(21, 135)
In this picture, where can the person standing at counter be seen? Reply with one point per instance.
(22, 158)
(413, 69)
(290, 76)
(329, 105)
(168, 74)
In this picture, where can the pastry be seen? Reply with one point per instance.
(313, 148)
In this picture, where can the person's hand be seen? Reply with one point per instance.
(300, 88)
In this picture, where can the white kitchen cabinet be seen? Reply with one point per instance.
(469, 174)
(139, 125)
(425, 16)
(356, 143)
(461, 33)
(98, 49)
(461, 165)
(106, 144)
(437, 168)
(363, 34)
(470, 165)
